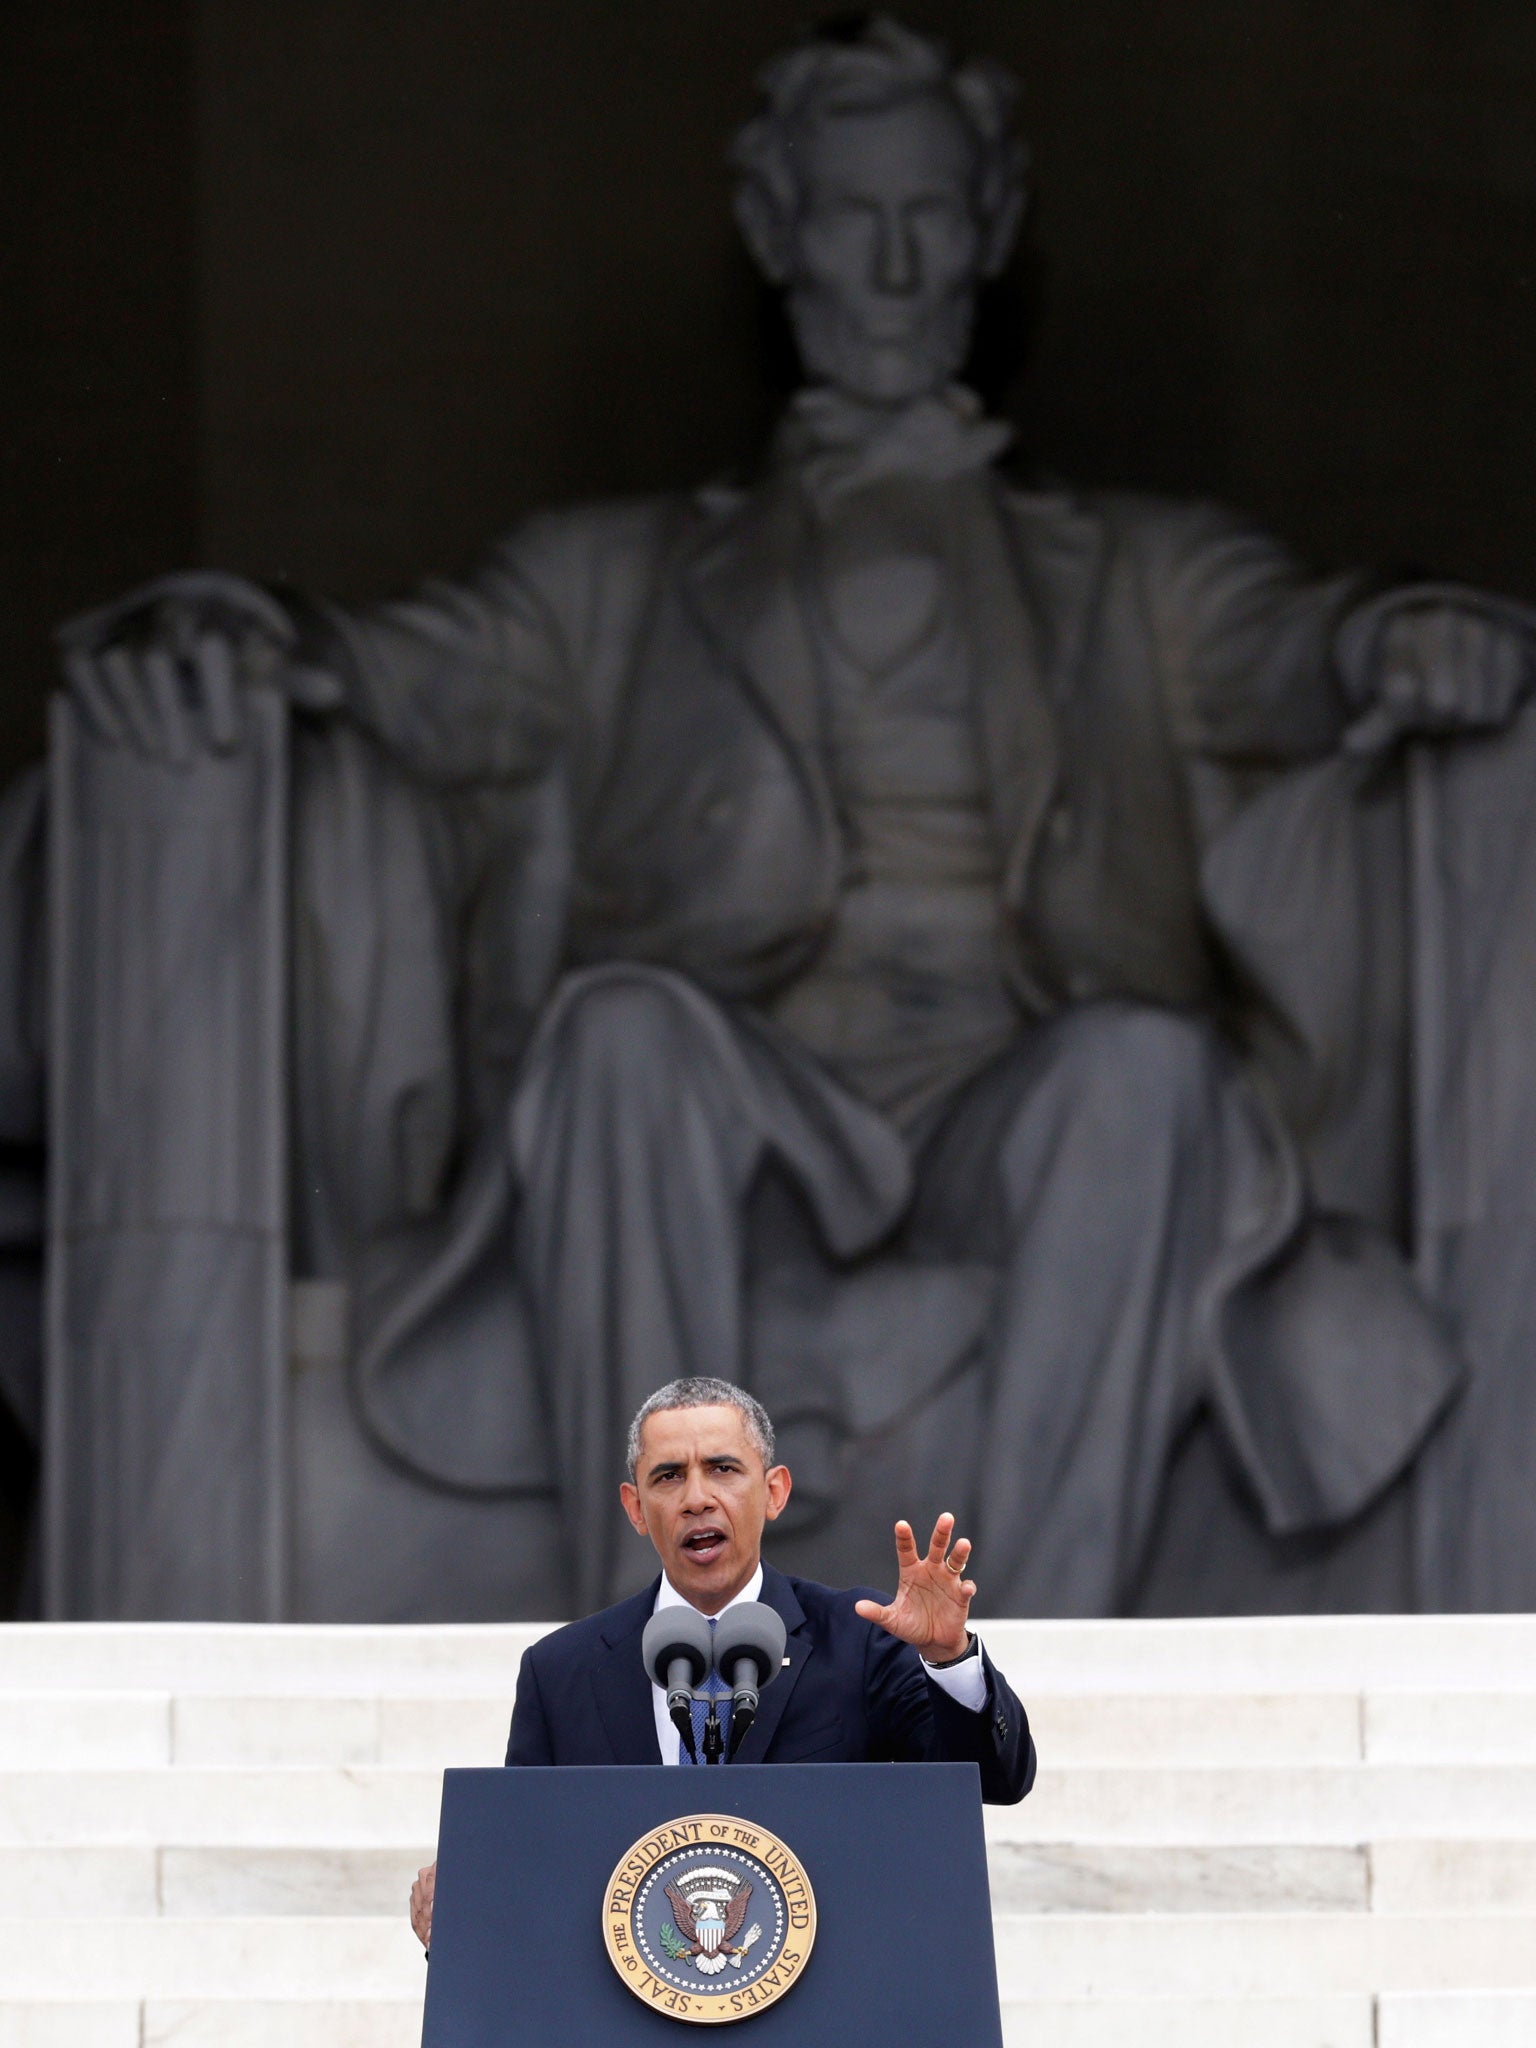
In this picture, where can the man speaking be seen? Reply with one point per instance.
(861, 1682)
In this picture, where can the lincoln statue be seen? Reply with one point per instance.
(760, 932)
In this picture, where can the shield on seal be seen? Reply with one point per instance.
(709, 1925)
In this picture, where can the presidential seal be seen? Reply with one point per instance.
(709, 1918)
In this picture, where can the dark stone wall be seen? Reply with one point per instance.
(332, 289)
(98, 346)
(457, 262)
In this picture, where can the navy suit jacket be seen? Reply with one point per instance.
(849, 1693)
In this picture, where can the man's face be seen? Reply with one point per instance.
(703, 1497)
(887, 251)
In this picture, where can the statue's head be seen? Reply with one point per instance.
(879, 185)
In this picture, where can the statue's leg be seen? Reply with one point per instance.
(644, 1114)
(1093, 1160)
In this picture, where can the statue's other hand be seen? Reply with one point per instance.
(163, 669)
(1440, 667)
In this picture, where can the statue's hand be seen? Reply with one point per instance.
(162, 670)
(1436, 666)
(933, 1596)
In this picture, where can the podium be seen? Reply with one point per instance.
(824, 1905)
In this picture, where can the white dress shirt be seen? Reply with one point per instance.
(965, 1682)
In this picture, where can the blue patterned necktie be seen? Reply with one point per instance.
(713, 1688)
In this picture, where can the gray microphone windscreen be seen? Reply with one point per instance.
(751, 1629)
(677, 1632)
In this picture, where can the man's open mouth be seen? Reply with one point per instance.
(704, 1545)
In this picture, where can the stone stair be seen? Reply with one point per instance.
(1262, 1834)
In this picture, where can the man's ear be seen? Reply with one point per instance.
(779, 1484)
(630, 1497)
(765, 229)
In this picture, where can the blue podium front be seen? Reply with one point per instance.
(828, 1905)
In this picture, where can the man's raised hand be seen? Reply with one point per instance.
(933, 1596)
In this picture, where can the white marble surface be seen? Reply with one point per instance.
(1322, 1654)
(79, 1882)
(1196, 1728)
(1265, 1804)
(280, 2023)
(1325, 1653)
(249, 1730)
(62, 2023)
(1454, 1877)
(1075, 1877)
(208, 1808)
(257, 1883)
(237, 1657)
(319, 1960)
(77, 1730)
(1433, 1727)
(1240, 1956)
(1191, 2023)
(255, 1728)
(1462, 2019)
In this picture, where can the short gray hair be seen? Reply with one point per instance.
(702, 1392)
(876, 65)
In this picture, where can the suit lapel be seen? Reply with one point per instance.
(620, 1684)
(744, 586)
(1027, 569)
(778, 1594)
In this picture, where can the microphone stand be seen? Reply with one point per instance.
(680, 1707)
(714, 1738)
(743, 1714)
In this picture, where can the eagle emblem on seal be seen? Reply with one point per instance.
(708, 1908)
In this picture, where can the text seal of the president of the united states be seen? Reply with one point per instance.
(709, 1918)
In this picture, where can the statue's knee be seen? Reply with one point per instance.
(1136, 1062)
(630, 1031)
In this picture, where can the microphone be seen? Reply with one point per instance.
(749, 1654)
(678, 1649)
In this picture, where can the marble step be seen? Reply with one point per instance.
(1243, 1956)
(213, 2023)
(187, 1657)
(1315, 1805)
(1436, 2020)
(1051, 1956)
(1452, 2020)
(1191, 2023)
(67, 2023)
(1330, 1653)
(1320, 1806)
(75, 1730)
(289, 2023)
(1393, 1877)
(323, 1961)
(78, 1730)
(1457, 2019)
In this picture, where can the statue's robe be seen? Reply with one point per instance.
(608, 752)
(1392, 987)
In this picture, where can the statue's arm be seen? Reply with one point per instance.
(1266, 665)
(1246, 640)
(462, 683)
